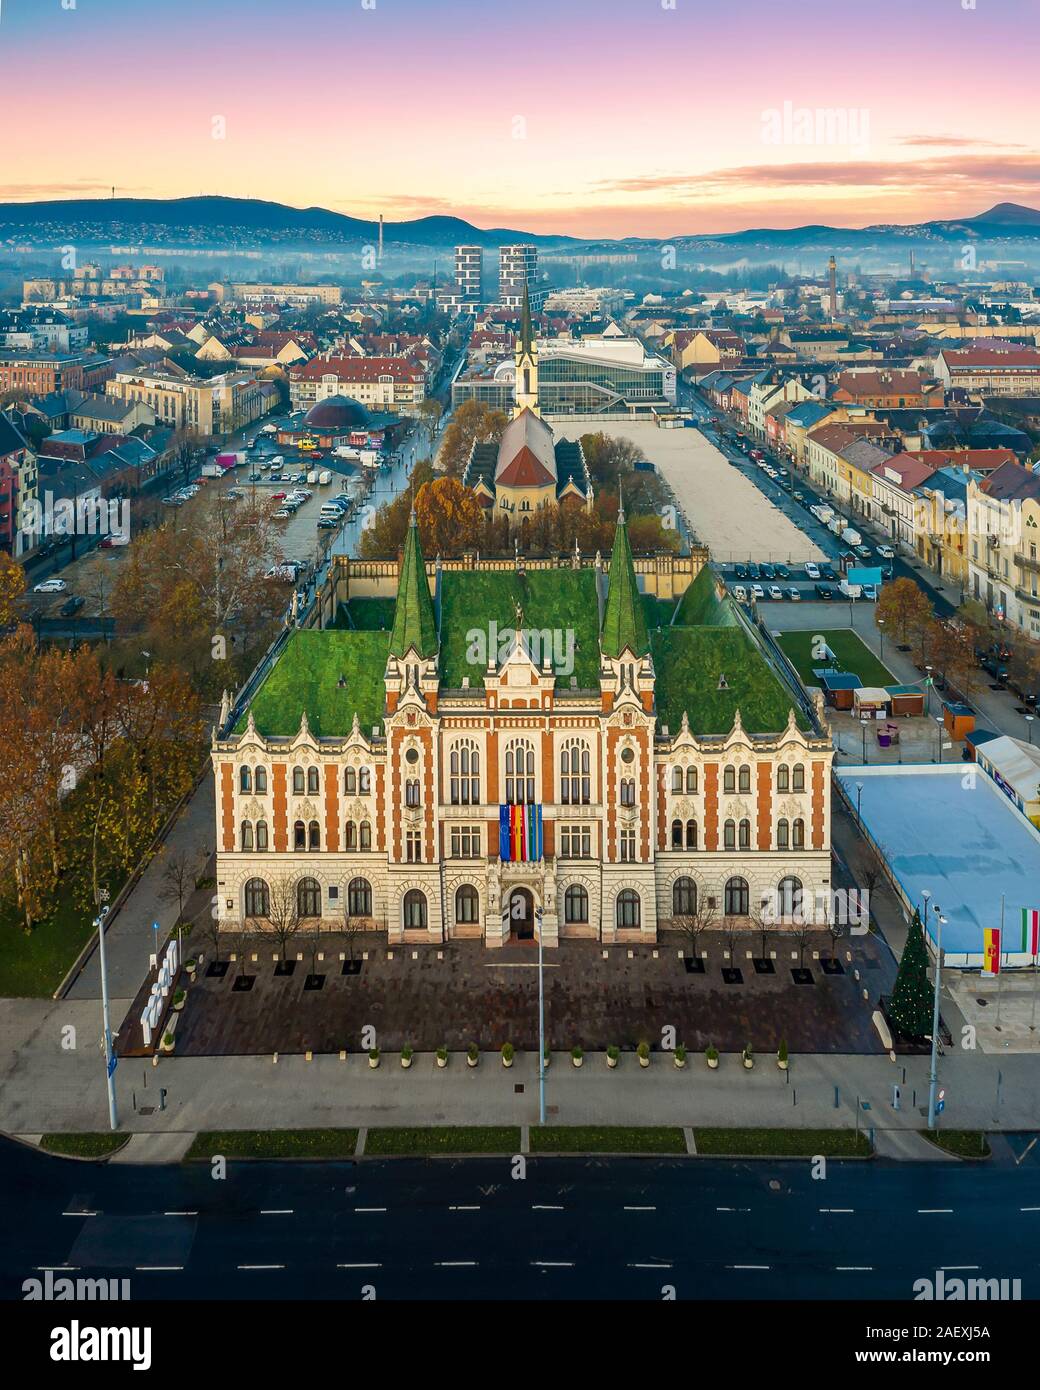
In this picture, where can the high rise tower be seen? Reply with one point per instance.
(832, 277)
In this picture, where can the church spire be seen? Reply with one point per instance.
(624, 621)
(414, 622)
(526, 331)
(526, 390)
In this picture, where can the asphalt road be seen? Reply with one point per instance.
(468, 1229)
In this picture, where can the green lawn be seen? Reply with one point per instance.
(306, 677)
(851, 654)
(32, 967)
(965, 1143)
(611, 1139)
(489, 1139)
(84, 1145)
(689, 662)
(783, 1143)
(274, 1143)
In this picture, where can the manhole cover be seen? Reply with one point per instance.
(982, 1003)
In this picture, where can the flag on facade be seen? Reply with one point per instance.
(991, 950)
(1031, 931)
(503, 834)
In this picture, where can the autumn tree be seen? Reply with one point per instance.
(609, 459)
(12, 586)
(904, 608)
(471, 422)
(385, 536)
(450, 518)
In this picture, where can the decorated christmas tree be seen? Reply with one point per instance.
(910, 1007)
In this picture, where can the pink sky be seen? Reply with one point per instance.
(593, 117)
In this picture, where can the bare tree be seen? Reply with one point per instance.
(353, 925)
(692, 925)
(282, 920)
(177, 879)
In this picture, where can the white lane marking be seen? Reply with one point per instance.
(542, 1206)
(934, 1211)
(851, 1269)
(180, 1213)
(276, 1211)
(372, 1265)
(639, 1208)
(463, 1208)
(838, 1211)
(363, 1209)
(554, 1264)
(156, 1269)
(663, 1265)
(455, 1264)
(65, 1269)
(747, 1266)
(946, 1267)
(79, 1213)
(732, 1208)
(261, 1266)
(1029, 1208)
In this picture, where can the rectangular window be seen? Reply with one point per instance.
(628, 846)
(413, 846)
(465, 842)
(575, 842)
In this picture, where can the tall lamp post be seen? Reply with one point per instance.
(863, 726)
(859, 795)
(939, 731)
(541, 1024)
(928, 689)
(933, 1075)
(110, 1061)
(1029, 726)
(881, 635)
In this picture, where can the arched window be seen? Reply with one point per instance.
(798, 778)
(415, 908)
(627, 909)
(691, 780)
(744, 839)
(261, 834)
(260, 781)
(576, 904)
(729, 779)
(464, 766)
(744, 779)
(299, 835)
(783, 834)
(677, 781)
(308, 897)
(467, 904)
(359, 898)
(684, 897)
(298, 783)
(628, 791)
(349, 782)
(519, 772)
(364, 781)
(790, 896)
(736, 897)
(729, 835)
(366, 835)
(798, 834)
(691, 834)
(258, 899)
(676, 834)
(313, 835)
(575, 774)
(783, 778)
(351, 837)
(312, 781)
(247, 835)
(245, 780)
(411, 792)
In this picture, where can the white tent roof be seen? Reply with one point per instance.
(1018, 764)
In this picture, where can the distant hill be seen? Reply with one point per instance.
(1009, 215)
(223, 221)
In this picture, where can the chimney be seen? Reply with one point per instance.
(832, 277)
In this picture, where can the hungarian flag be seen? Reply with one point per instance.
(991, 950)
(1031, 931)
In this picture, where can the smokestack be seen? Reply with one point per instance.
(380, 256)
(832, 276)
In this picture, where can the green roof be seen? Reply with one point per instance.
(689, 661)
(624, 622)
(562, 601)
(367, 614)
(699, 603)
(414, 621)
(306, 678)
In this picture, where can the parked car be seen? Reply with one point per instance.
(863, 551)
(278, 496)
(812, 570)
(869, 592)
(775, 591)
(740, 593)
(799, 497)
(327, 523)
(827, 572)
(782, 572)
(752, 571)
(740, 572)
(757, 591)
(824, 591)
(886, 552)
(50, 586)
(767, 572)
(71, 605)
(794, 595)
(281, 514)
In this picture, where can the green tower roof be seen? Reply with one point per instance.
(624, 622)
(414, 621)
(526, 331)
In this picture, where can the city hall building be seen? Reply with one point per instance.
(474, 749)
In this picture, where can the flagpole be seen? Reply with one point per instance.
(1032, 1013)
(1000, 971)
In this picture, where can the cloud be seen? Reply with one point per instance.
(78, 188)
(951, 142)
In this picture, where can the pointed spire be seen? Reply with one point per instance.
(526, 331)
(414, 621)
(624, 622)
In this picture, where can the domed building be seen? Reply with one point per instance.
(337, 414)
(339, 421)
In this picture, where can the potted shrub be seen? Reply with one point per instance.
(711, 1056)
(680, 1055)
(472, 1055)
(747, 1056)
(442, 1056)
(179, 996)
(191, 966)
(577, 1056)
(373, 1057)
(781, 1055)
(406, 1056)
(167, 1042)
(613, 1054)
(643, 1053)
(507, 1054)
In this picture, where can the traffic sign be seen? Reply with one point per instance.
(940, 1107)
(113, 1062)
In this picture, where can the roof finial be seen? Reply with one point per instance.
(621, 505)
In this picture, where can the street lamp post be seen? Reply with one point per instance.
(933, 1075)
(110, 1065)
(859, 796)
(1029, 726)
(939, 731)
(541, 1025)
(863, 727)
(881, 635)
(928, 689)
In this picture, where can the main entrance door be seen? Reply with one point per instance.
(521, 915)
